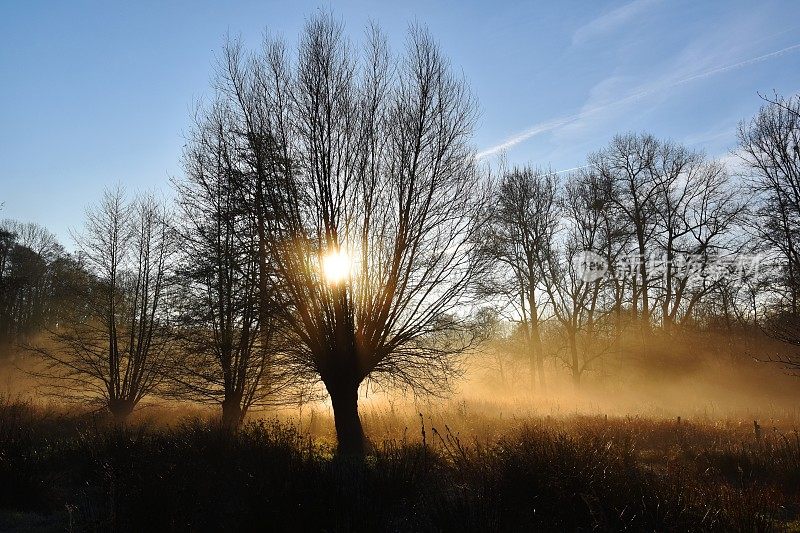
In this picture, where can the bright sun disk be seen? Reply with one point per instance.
(336, 266)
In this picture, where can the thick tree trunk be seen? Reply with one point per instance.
(349, 433)
(120, 410)
(232, 413)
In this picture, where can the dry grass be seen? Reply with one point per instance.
(460, 466)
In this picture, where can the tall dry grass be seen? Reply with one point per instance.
(466, 466)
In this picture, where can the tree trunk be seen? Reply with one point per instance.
(667, 323)
(263, 276)
(349, 433)
(536, 336)
(232, 413)
(537, 357)
(540, 365)
(532, 355)
(120, 409)
(573, 349)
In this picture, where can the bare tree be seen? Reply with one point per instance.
(225, 354)
(116, 347)
(627, 165)
(524, 215)
(36, 281)
(28, 253)
(373, 204)
(769, 146)
(696, 210)
(576, 293)
(34, 237)
(597, 192)
(505, 349)
(256, 91)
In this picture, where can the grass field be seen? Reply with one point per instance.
(458, 466)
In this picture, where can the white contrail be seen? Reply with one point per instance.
(555, 123)
(570, 169)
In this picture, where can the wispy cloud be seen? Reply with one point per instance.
(611, 21)
(667, 82)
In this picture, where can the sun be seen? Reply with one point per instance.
(336, 266)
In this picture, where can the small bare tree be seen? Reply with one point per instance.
(116, 346)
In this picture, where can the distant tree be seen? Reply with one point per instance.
(30, 263)
(34, 237)
(576, 294)
(627, 166)
(769, 146)
(115, 346)
(523, 217)
(503, 352)
(696, 209)
(614, 247)
(679, 210)
(7, 243)
(25, 291)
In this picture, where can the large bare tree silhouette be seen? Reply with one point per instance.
(368, 201)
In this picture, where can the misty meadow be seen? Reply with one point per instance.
(343, 313)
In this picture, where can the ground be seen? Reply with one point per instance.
(455, 465)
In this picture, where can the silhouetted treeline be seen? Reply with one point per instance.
(647, 243)
(37, 280)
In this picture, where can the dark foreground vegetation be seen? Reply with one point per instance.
(76, 472)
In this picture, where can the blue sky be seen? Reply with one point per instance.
(98, 93)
